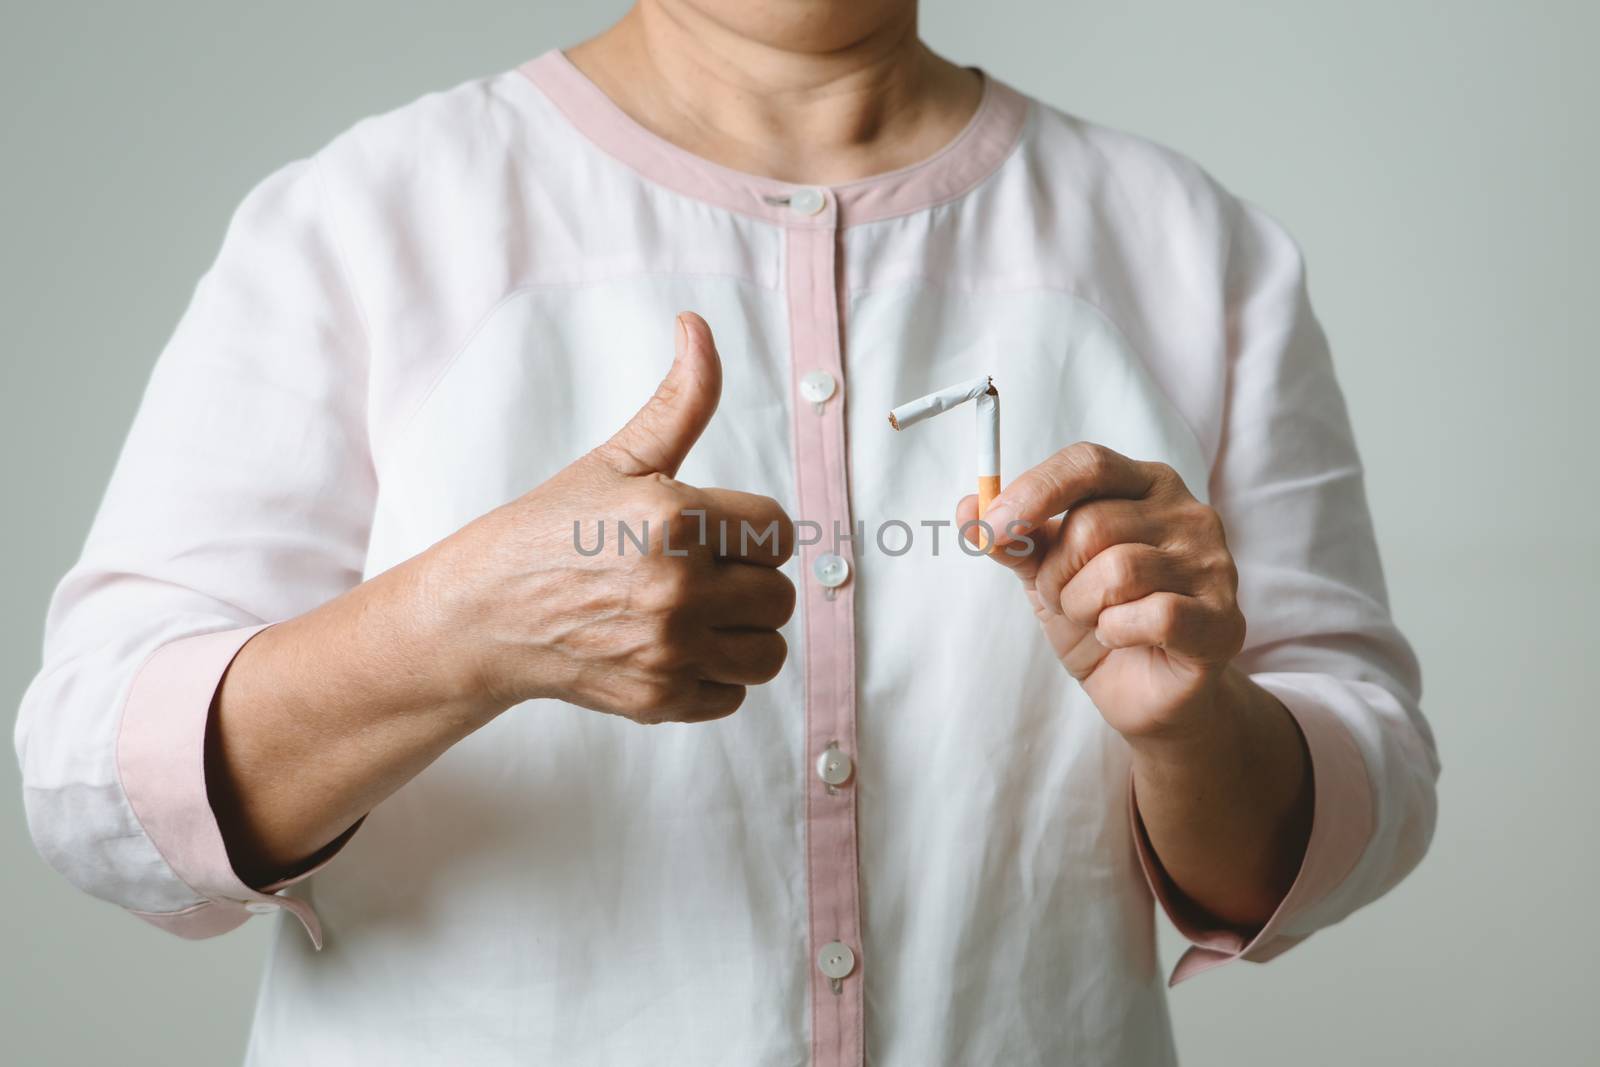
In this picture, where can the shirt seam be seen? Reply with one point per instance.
(1100, 311)
(403, 427)
(325, 203)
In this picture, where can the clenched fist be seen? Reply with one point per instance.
(674, 631)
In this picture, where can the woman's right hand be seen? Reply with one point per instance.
(671, 632)
(322, 716)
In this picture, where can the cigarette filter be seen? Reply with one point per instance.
(987, 396)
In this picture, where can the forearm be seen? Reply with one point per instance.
(322, 716)
(1227, 806)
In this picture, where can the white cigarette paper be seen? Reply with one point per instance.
(909, 414)
(988, 397)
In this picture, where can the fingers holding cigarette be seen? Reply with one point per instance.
(1024, 551)
(1135, 561)
(1075, 475)
(1132, 539)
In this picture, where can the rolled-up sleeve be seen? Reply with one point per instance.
(243, 496)
(1288, 483)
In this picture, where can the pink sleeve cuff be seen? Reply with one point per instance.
(1342, 824)
(161, 761)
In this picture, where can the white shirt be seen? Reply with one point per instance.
(452, 301)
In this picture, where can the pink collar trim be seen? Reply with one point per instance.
(975, 153)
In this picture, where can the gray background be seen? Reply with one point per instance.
(1438, 162)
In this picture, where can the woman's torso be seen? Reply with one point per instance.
(569, 887)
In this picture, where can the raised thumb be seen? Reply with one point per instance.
(659, 437)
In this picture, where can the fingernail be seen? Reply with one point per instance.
(680, 340)
(1102, 639)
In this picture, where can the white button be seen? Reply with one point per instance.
(818, 386)
(258, 908)
(831, 570)
(833, 766)
(836, 960)
(808, 201)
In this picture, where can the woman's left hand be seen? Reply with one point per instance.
(1134, 585)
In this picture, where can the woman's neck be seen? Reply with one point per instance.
(786, 97)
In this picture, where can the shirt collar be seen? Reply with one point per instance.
(975, 153)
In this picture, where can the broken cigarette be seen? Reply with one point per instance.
(983, 391)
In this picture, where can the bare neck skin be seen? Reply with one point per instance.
(823, 95)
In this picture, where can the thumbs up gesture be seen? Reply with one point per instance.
(671, 632)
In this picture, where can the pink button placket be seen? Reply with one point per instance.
(822, 490)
